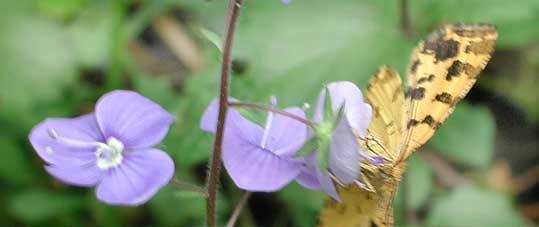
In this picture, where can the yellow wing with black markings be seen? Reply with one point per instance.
(443, 68)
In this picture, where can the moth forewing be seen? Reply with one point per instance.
(442, 70)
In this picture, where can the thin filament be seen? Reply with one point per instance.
(269, 121)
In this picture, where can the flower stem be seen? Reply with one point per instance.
(231, 20)
(190, 187)
(274, 110)
(238, 209)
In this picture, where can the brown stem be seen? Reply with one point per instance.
(448, 176)
(274, 110)
(406, 22)
(238, 209)
(231, 20)
(190, 187)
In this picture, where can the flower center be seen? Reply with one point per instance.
(109, 155)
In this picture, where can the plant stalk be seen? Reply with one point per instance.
(231, 20)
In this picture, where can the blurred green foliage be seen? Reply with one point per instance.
(52, 50)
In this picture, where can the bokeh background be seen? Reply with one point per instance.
(58, 56)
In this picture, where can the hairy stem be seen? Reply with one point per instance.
(238, 209)
(188, 186)
(231, 21)
(274, 110)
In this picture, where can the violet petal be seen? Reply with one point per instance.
(344, 153)
(251, 167)
(140, 175)
(248, 130)
(308, 180)
(308, 177)
(84, 175)
(83, 128)
(323, 180)
(132, 118)
(286, 135)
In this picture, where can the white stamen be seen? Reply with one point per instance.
(306, 106)
(269, 120)
(52, 133)
(71, 142)
(109, 155)
(273, 100)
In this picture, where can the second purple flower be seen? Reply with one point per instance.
(256, 158)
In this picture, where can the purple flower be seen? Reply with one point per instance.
(286, 1)
(256, 158)
(344, 150)
(111, 148)
(355, 109)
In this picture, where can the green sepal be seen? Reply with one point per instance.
(328, 108)
(323, 149)
(310, 146)
(338, 118)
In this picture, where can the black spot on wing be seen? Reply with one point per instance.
(411, 123)
(444, 97)
(458, 67)
(425, 79)
(429, 120)
(417, 93)
(443, 49)
(454, 70)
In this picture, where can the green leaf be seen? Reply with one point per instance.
(157, 89)
(36, 62)
(182, 208)
(61, 9)
(213, 38)
(103, 214)
(516, 20)
(91, 34)
(14, 166)
(467, 137)
(473, 206)
(341, 47)
(420, 178)
(195, 145)
(37, 205)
